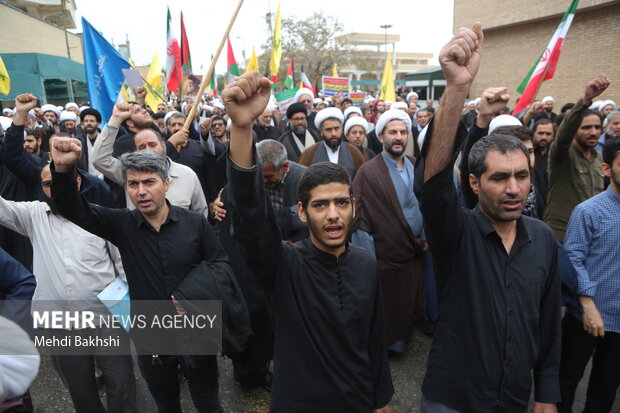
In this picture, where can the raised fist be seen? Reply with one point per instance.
(122, 111)
(25, 102)
(595, 87)
(460, 57)
(493, 100)
(246, 98)
(65, 152)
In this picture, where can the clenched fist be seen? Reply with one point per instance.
(65, 153)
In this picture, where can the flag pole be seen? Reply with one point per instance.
(207, 78)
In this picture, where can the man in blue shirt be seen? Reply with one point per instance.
(592, 245)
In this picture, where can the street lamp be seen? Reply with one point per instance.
(386, 27)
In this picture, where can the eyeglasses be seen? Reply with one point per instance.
(217, 125)
(46, 184)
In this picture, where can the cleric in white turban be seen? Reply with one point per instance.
(352, 110)
(390, 115)
(503, 120)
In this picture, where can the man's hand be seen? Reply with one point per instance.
(205, 126)
(536, 107)
(23, 104)
(65, 152)
(544, 408)
(217, 207)
(384, 409)
(460, 57)
(594, 88)
(592, 321)
(121, 112)
(246, 98)
(140, 95)
(338, 99)
(178, 306)
(492, 100)
(179, 138)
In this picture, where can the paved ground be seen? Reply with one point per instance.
(50, 396)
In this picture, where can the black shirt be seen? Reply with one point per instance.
(541, 174)
(262, 134)
(154, 262)
(330, 350)
(194, 156)
(499, 313)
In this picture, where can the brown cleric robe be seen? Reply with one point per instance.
(399, 253)
(349, 157)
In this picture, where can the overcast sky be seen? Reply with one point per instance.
(423, 26)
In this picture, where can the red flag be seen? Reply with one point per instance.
(314, 89)
(186, 59)
(233, 69)
(173, 61)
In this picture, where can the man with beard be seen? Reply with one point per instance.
(547, 112)
(32, 143)
(592, 245)
(298, 138)
(544, 132)
(612, 129)
(264, 125)
(329, 351)
(396, 238)
(356, 130)
(70, 264)
(305, 96)
(496, 269)
(68, 123)
(139, 120)
(574, 165)
(329, 124)
(91, 119)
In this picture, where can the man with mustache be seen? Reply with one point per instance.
(329, 124)
(90, 121)
(574, 164)
(496, 269)
(397, 238)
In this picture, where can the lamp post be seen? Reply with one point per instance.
(386, 27)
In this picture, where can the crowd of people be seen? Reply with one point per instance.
(345, 227)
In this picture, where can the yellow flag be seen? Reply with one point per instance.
(276, 46)
(253, 63)
(5, 80)
(335, 70)
(387, 81)
(154, 83)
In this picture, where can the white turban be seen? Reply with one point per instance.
(50, 108)
(30, 113)
(389, 102)
(327, 113)
(356, 121)
(82, 108)
(170, 114)
(399, 105)
(71, 105)
(608, 102)
(208, 108)
(316, 101)
(301, 92)
(503, 120)
(19, 360)
(271, 106)
(228, 123)
(477, 100)
(471, 102)
(6, 111)
(547, 99)
(218, 104)
(352, 109)
(410, 95)
(5, 122)
(596, 104)
(390, 115)
(66, 115)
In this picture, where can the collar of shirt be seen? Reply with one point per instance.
(325, 257)
(331, 154)
(140, 221)
(486, 227)
(612, 194)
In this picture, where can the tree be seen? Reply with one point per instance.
(312, 41)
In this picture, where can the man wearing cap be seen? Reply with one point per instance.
(68, 123)
(397, 238)
(547, 112)
(264, 125)
(574, 165)
(49, 116)
(355, 130)
(329, 123)
(306, 96)
(90, 121)
(298, 138)
(412, 97)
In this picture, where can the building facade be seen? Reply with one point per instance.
(516, 35)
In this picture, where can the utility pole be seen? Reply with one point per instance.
(64, 25)
(386, 27)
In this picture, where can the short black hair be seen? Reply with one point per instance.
(611, 149)
(347, 100)
(543, 121)
(321, 173)
(159, 115)
(494, 142)
(90, 111)
(218, 117)
(518, 131)
(590, 112)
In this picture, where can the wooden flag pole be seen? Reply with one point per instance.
(207, 77)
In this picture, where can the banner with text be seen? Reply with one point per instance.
(357, 98)
(285, 99)
(333, 85)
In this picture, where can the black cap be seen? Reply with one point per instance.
(90, 111)
(296, 108)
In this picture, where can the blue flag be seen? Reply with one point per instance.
(104, 74)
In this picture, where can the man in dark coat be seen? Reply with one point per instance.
(298, 138)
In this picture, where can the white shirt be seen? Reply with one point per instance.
(91, 155)
(333, 156)
(69, 263)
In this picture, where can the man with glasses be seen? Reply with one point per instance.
(298, 138)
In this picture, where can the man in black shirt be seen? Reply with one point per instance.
(159, 244)
(497, 276)
(330, 349)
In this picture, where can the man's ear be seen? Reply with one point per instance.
(474, 183)
(167, 184)
(354, 204)
(285, 166)
(606, 168)
(301, 212)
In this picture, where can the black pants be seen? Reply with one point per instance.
(78, 375)
(163, 382)
(577, 348)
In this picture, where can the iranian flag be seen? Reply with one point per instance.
(305, 82)
(233, 70)
(289, 82)
(544, 68)
(174, 74)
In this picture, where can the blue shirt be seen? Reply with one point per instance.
(591, 242)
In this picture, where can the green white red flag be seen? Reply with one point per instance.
(186, 57)
(305, 82)
(545, 66)
(174, 74)
(233, 69)
(289, 82)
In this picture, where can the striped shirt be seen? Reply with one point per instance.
(591, 241)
